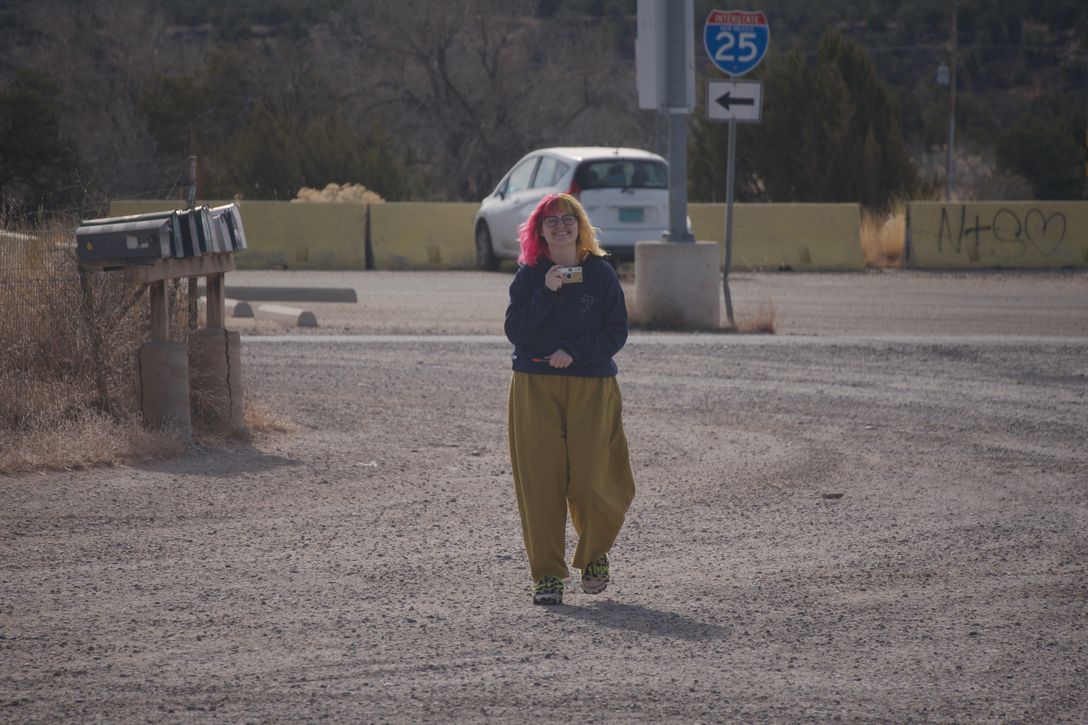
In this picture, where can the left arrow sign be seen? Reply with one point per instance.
(727, 100)
(734, 101)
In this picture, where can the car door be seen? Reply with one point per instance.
(510, 208)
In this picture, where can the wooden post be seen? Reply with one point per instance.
(160, 318)
(216, 302)
(96, 340)
(192, 203)
(193, 295)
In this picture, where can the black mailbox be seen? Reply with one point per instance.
(127, 242)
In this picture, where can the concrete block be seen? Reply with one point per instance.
(251, 293)
(164, 386)
(232, 308)
(290, 315)
(238, 308)
(801, 237)
(678, 286)
(215, 374)
(423, 235)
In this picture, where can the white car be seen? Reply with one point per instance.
(624, 192)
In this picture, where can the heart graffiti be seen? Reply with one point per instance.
(1046, 233)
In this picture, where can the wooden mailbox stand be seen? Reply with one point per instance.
(210, 266)
(214, 352)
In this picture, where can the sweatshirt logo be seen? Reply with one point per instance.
(587, 301)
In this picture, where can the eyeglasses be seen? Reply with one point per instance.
(568, 220)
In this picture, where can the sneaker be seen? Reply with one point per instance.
(595, 576)
(549, 590)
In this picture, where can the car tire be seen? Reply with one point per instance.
(485, 252)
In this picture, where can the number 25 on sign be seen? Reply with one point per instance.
(736, 40)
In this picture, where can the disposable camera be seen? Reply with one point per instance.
(571, 274)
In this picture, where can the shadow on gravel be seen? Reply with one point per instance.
(637, 618)
(218, 462)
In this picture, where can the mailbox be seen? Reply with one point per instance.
(229, 221)
(147, 238)
(125, 242)
(196, 232)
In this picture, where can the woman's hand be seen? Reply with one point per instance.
(553, 278)
(560, 359)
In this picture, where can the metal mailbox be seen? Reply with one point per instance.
(229, 221)
(170, 215)
(147, 238)
(125, 242)
(196, 232)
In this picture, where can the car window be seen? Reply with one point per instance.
(550, 172)
(560, 171)
(521, 175)
(623, 173)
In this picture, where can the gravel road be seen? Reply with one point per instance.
(878, 514)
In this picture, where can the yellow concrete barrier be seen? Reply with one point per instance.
(426, 235)
(1020, 234)
(784, 236)
(282, 234)
(422, 235)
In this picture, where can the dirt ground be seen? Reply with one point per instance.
(879, 514)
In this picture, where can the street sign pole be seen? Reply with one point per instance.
(729, 181)
(681, 98)
(732, 101)
(736, 42)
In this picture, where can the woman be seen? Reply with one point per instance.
(567, 444)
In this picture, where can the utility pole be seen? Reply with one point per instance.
(950, 161)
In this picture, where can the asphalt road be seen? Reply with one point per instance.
(878, 304)
(879, 513)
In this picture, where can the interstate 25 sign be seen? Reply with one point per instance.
(736, 40)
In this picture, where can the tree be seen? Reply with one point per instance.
(828, 133)
(476, 84)
(100, 53)
(1047, 153)
(273, 155)
(266, 141)
(37, 165)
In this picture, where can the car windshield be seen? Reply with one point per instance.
(622, 174)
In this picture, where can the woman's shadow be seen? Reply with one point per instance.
(637, 618)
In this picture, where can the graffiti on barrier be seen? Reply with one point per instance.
(1007, 235)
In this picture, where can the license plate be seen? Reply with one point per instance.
(631, 213)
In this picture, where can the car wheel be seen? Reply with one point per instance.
(485, 253)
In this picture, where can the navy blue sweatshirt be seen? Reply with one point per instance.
(588, 320)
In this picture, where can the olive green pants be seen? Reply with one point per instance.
(568, 448)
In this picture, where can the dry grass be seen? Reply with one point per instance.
(883, 237)
(67, 359)
(262, 419)
(760, 320)
(337, 194)
(83, 440)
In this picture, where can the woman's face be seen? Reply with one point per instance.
(560, 229)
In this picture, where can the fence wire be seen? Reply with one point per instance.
(69, 335)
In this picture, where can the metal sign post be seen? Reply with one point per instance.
(736, 41)
(665, 69)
